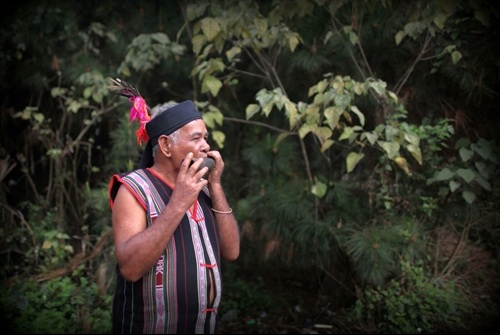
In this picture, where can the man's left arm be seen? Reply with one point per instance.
(228, 226)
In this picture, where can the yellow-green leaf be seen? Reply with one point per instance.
(399, 36)
(456, 56)
(318, 189)
(251, 110)
(198, 41)
(211, 84)
(327, 144)
(403, 164)
(210, 27)
(305, 129)
(219, 137)
(233, 52)
(360, 115)
(391, 148)
(353, 159)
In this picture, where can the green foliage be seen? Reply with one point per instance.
(413, 303)
(68, 305)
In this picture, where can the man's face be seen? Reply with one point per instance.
(193, 138)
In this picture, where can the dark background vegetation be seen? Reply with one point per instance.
(361, 148)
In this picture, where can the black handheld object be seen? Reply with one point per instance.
(208, 162)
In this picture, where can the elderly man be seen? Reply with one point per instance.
(172, 224)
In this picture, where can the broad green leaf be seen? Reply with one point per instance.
(342, 100)
(323, 133)
(412, 138)
(372, 137)
(353, 37)
(211, 84)
(213, 117)
(443, 191)
(415, 152)
(58, 91)
(318, 189)
(466, 174)
(390, 132)
(379, 86)
(233, 52)
(291, 112)
(391, 148)
(332, 115)
(463, 142)
(251, 110)
(403, 164)
(305, 129)
(353, 159)
(484, 183)
(263, 97)
(393, 96)
(74, 106)
(399, 36)
(444, 174)
(456, 56)
(322, 85)
(87, 92)
(261, 25)
(454, 185)
(39, 117)
(333, 6)
(360, 115)
(469, 196)
(348, 131)
(327, 144)
(440, 20)
(198, 41)
(292, 40)
(219, 138)
(465, 154)
(210, 27)
(482, 147)
(481, 167)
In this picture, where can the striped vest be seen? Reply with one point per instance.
(173, 297)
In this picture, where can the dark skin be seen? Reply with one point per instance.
(139, 247)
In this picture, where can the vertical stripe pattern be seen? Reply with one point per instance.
(173, 297)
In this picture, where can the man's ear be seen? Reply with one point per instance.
(164, 143)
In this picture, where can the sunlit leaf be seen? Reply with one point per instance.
(210, 27)
(305, 129)
(251, 110)
(353, 159)
(403, 164)
(327, 144)
(456, 56)
(360, 115)
(372, 137)
(231, 53)
(391, 148)
(211, 84)
(399, 36)
(219, 138)
(318, 189)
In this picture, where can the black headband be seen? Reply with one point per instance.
(166, 123)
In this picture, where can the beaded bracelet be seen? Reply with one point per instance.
(228, 212)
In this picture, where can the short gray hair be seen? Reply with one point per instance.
(157, 111)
